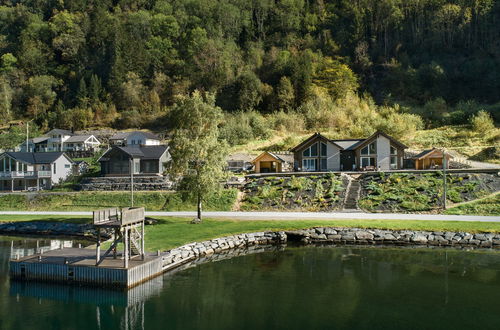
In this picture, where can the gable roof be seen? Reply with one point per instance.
(37, 157)
(275, 156)
(428, 152)
(59, 131)
(348, 144)
(143, 152)
(78, 138)
(39, 139)
(311, 138)
(124, 135)
(373, 136)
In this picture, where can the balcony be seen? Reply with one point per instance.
(27, 174)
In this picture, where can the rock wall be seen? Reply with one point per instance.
(123, 183)
(208, 250)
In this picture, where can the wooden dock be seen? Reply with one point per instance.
(78, 266)
(84, 266)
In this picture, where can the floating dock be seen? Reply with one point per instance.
(85, 266)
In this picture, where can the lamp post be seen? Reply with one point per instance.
(444, 179)
(131, 182)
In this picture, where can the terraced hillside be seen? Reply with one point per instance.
(408, 192)
(312, 193)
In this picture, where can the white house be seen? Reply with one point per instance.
(38, 170)
(135, 138)
(61, 140)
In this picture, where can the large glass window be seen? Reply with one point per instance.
(309, 164)
(312, 151)
(2, 165)
(370, 149)
(394, 162)
(323, 149)
(367, 161)
(323, 164)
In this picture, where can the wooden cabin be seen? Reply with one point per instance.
(431, 159)
(268, 162)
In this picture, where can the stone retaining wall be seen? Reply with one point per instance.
(203, 251)
(123, 183)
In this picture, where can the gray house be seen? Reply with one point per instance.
(146, 160)
(33, 170)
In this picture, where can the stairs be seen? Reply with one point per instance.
(352, 195)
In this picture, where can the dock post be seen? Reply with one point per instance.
(98, 247)
(115, 238)
(142, 240)
(126, 249)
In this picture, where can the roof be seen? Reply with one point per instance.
(428, 152)
(78, 138)
(59, 131)
(143, 152)
(284, 158)
(374, 135)
(39, 139)
(312, 137)
(37, 157)
(124, 135)
(348, 144)
(240, 157)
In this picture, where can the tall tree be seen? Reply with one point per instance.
(198, 154)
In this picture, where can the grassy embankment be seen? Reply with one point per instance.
(88, 201)
(172, 232)
(485, 206)
(409, 192)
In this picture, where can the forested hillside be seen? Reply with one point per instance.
(81, 63)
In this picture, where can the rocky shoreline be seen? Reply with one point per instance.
(203, 251)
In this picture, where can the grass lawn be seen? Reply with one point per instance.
(172, 232)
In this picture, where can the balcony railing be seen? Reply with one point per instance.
(27, 174)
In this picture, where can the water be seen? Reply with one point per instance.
(298, 288)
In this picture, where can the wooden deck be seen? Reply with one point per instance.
(74, 265)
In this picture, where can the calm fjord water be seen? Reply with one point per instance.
(298, 288)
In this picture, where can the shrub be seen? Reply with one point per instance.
(482, 122)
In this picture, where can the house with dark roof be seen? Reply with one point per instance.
(33, 170)
(144, 160)
(272, 162)
(377, 152)
(134, 138)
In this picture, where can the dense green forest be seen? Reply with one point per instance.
(82, 63)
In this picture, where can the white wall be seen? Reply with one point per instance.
(138, 136)
(333, 161)
(62, 172)
(383, 153)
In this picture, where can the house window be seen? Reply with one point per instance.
(394, 151)
(54, 167)
(2, 165)
(323, 149)
(309, 164)
(312, 151)
(370, 149)
(139, 141)
(323, 164)
(67, 166)
(394, 162)
(367, 161)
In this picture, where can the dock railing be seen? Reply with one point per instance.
(132, 215)
(106, 215)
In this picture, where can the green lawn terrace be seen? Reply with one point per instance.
(410, 192)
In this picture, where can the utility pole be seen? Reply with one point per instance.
(444, 179)
(131, 182)
(27, 136)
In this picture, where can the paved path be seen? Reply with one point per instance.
(290, 215)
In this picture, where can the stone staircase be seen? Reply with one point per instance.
(352, 195)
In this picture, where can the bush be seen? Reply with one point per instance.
(482, 122)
